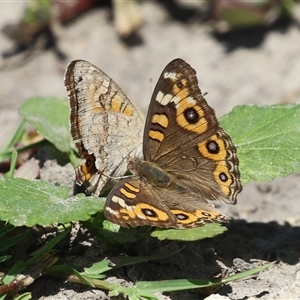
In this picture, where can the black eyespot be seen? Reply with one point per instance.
(149, 213)
(181, 217)
(212, 147)
(90, 159)
(179, 84)
(88, 162)
(191, 115)
(223, 177)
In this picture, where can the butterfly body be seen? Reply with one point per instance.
(186, 160)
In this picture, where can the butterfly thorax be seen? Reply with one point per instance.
(154, 175)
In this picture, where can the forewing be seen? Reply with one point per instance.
(182, 135)
(105, 125)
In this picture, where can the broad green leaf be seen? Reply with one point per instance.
(267, 139)
(192, 234)
(50, 117)
(24, 202)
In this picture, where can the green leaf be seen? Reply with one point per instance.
(25, 296)
(66, 271)
(97, 268)
(5, 257)
(45, 249)
(147, 289)
(110, 263)
(50, 117)
(7, 242)
(192, 234)
(150, 287)
(24, 202)
(5, 152)
(267, 139)
(13, 163)
(19, 266)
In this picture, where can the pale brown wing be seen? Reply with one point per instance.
(105, 125)
(182, 136)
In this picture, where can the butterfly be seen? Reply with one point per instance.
(179, 157)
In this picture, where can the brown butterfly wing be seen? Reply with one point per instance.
(134, 202)
(182, 136)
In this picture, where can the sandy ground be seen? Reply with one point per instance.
(260, 68)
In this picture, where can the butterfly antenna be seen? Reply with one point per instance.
(117, 177)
